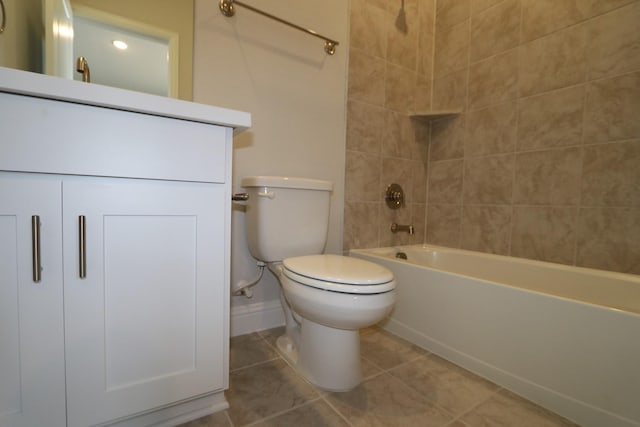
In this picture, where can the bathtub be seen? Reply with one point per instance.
(567, 338)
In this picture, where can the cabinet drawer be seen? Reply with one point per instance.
(47, 136)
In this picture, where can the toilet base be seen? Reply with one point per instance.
(328, 358)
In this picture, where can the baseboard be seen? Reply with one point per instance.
(177, 413)
(256, 317)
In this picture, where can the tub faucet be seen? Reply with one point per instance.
(396, 227)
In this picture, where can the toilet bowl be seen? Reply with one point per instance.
(327, 298)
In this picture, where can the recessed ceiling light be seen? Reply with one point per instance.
(119, 44)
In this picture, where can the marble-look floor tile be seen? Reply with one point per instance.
(388, 351)
(507, 409)
(315, 414)
(272, 335)
(264, 390)
(445, 384)
(246, 350)
(386, 401)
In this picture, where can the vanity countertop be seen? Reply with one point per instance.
(42, 86)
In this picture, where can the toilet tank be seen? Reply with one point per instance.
(286, 216)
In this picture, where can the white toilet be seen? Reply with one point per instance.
(326, 298)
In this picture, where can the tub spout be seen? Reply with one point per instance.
(397, 227)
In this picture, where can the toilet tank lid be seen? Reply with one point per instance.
(286, 182)
(339, 269)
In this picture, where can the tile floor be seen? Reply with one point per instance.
(403, 386)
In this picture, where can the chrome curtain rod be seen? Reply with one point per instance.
(227, 9)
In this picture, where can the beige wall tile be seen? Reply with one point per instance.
(399, 171)
(447, 139)
(400, 85)
(486, 228)
(368, 28)
(450, 91)
(422, 95)
(611, 174)
(494, 80)
(418, 220)
(608, 239)
(452, 49)
(451, 12)
(426, 37)
(419, 173)
(361, 225)
(534, 122)
(491, 130)
(488, 180)
(478, 6)
(402, 37)
(550, 177)
(495, 30)
(365, 127)
(443, 225)
(542, 17)
(612, 109)
(597, 7)
(445, 182)
(399, 216)
(614, 42)
(398, 136)
(366, 77)
(410, 214)
(421, 132)
(553, 62)
(388, 6)
(544, 233)
(362, 177)
(551, 120)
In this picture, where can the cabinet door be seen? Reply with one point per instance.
(31, 322)
(144, 327)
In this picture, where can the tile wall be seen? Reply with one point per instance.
(544, 161)
(390, 74)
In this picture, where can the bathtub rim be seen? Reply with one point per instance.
(388, 253)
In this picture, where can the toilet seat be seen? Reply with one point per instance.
(339, 274)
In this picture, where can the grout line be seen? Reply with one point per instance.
(277, 414)
(242, 368)
(581, 173)
(226, 413)
(474, 407)
(334, 409)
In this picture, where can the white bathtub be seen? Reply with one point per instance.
(565, 337)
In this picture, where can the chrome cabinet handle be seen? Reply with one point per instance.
(82, 250)
(35, 249)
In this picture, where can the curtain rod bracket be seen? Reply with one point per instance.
(227, 9)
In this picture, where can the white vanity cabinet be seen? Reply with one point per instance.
(32, 377)
(128, 322)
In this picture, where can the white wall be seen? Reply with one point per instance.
(296, 94)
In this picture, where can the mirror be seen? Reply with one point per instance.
(47, 36)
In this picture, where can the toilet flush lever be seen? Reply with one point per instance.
(240, 197)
